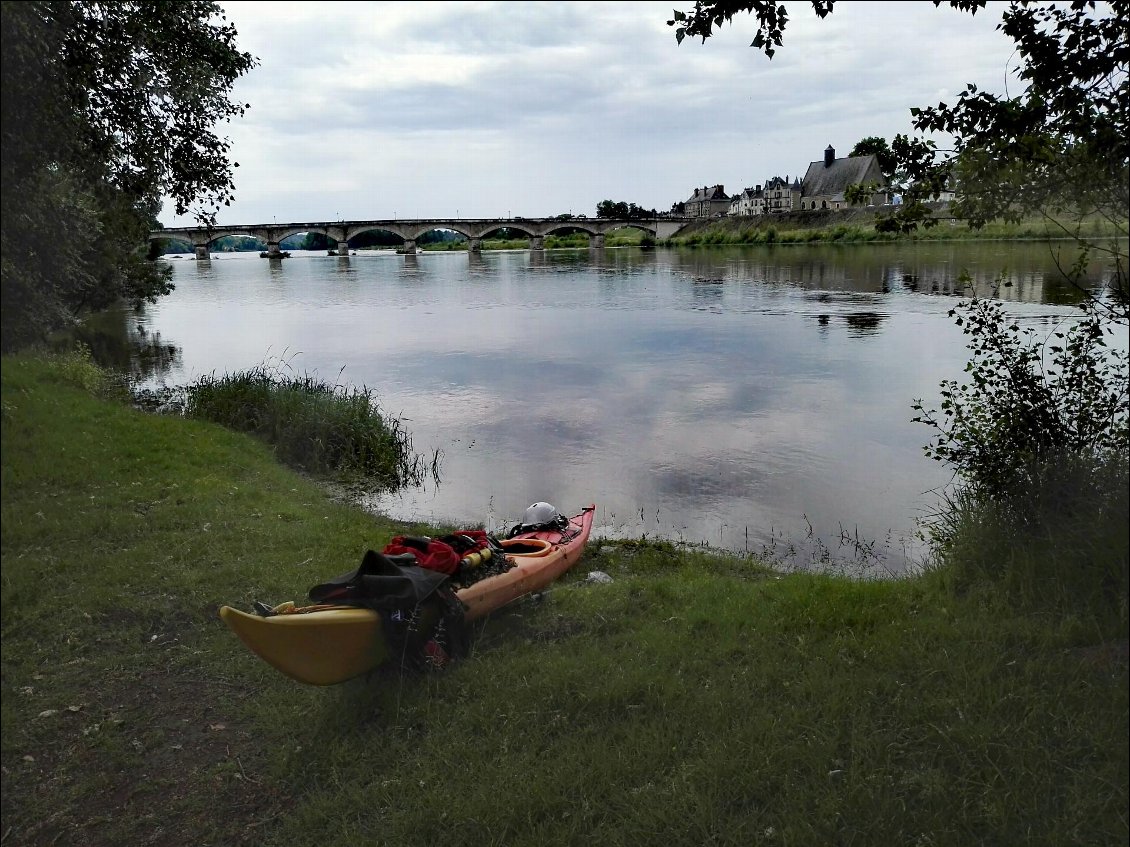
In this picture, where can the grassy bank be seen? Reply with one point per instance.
(858, 226)
(842, 226)
(696, 699)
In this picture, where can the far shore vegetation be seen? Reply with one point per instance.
(844, 226)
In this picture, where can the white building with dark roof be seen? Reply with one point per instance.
(708, 202)
(781, 195)
(749, 203)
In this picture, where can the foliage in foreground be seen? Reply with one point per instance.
(1039, 438)
(1030, 402)
(315, 426)
(107, 107)
(695, 699)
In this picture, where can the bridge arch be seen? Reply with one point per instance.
(644, 226)
(353, 230)
(569, 227)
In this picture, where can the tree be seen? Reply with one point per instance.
(1060, 148)
(106, 107)
(771, 20)
(623, 211)
(860, 193)
(316, 241)
(611, 209)
(878, 147)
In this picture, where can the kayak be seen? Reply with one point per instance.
(325, 645)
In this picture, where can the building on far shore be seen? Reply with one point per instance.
(707, 202)
(748, 203)
(781, 196)
(824, 187)
(826, 181)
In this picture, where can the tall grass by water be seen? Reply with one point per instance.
(1060, 545)
(313, 425)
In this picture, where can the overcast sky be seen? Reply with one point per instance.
(380, 110)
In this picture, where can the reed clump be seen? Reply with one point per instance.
(1058, 545)
(312, 425)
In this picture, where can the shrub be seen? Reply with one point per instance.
(1040, 440)
(313, 425)
(1026, 405)
(77, 367)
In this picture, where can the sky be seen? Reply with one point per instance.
(368, 111)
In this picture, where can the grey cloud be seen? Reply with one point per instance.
(492, 28)
(597, 97)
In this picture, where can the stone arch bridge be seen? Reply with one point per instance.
(474, 230)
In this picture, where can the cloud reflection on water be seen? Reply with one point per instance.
(718, 396)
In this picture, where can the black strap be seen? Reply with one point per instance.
(418, 606)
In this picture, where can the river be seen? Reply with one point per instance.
(754, 399)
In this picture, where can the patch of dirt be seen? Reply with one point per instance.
(150, 759)
(1108, 656)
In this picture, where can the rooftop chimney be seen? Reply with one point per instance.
(829, 156)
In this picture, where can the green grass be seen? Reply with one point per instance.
(697, 699)
(857, 226)
(1059, 545)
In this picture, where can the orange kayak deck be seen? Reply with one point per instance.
(325, 646)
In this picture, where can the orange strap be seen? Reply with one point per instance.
(302, 610)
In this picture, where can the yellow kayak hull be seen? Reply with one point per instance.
(326, 646)
(317, 648)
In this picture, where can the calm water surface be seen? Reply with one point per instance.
(747, 398)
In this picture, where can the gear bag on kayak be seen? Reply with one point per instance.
(431, 553)
(421, 616)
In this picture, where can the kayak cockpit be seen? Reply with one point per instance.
(526, 547)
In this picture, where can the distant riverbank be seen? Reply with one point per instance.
(858, 226)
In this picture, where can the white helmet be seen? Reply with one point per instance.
(541, 514)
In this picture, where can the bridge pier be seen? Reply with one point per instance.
(475, 245)
(273, 251)
(343, 247)
(598, 241)
(537, 242)
(409, 246)
(201, 252)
